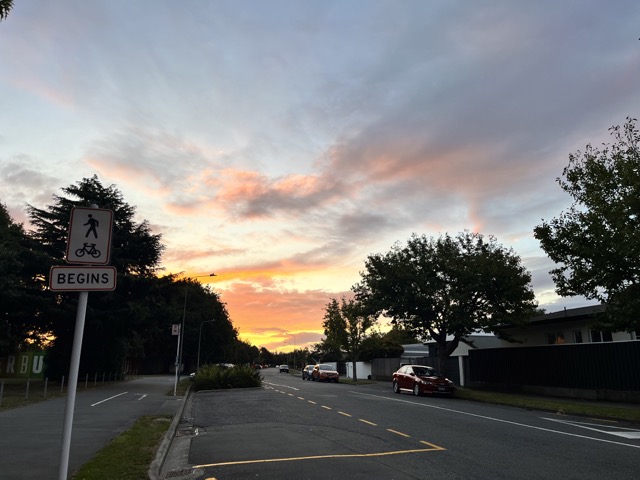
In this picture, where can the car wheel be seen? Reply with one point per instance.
(396, 388)
(416, 389)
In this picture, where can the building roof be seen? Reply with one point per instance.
(563, 315)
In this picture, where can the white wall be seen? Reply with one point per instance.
(363, 370)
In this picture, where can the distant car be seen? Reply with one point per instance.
(192, 376)
(324, 373)
(421, 379)
(284, 368)
(306, 372)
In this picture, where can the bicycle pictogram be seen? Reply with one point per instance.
(89, 249)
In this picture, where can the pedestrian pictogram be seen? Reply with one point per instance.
(93, 224)
(89, 239)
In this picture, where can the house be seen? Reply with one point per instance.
(576, 325)
(565, 353)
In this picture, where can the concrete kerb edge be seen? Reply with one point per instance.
(156, 466)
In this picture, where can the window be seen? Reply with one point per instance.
(600, 336)
(577, 336)
(555, 338)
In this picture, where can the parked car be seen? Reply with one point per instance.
(324, 373)
(306, 372)
(421, 379)
(284, 368)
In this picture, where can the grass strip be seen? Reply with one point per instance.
(565, 406)
(129, 455)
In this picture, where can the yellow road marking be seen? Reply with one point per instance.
(293, 459)
(345, 414)
(435, 447)
(301, 398)
(328, 408)
(311, 401)
(368, 422)
(398, 433)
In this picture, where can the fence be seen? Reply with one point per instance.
(597, 367)
(25, 390)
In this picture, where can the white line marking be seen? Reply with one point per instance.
(107, 399)
(524, 425)
(630, 434)
(283, 386)
(142, 397)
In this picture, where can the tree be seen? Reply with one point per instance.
(378, 345)
(5, 8)
(347, 322)
(446, 288)
(596, 242)
(24, 299)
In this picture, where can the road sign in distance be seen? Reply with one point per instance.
(82, 279)
(89, 239)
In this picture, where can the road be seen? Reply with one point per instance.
(296, 429)
(31, 437)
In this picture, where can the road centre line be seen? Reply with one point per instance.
(435, 448)
(398, 433)
(107, 399)
(368, 422)
(142, 397)
(524, 425)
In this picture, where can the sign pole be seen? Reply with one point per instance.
(175, 382)
(73, 383)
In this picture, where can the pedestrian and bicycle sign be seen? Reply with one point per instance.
(89, 240)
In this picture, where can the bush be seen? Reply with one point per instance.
(214, 377)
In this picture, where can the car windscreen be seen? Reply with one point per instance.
(424, 372)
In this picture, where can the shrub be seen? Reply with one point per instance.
(214, 377)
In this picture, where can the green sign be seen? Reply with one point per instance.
(28, 364)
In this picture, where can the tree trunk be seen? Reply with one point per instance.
(355, 376)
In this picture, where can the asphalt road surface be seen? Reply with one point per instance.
(295, 429)
(31, 437)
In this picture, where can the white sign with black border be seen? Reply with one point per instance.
(89, 240)
(82, 279)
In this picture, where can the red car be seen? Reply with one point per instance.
(421, 379)
(325, 373)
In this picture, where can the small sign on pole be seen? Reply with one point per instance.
(82, 279)
(175, 329)
(89, 240)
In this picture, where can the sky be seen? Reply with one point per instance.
(278, 143)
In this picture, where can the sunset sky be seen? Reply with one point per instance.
(277, 143)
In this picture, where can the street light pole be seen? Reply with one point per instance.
(294, 349)
(184, 316)
(199, 339)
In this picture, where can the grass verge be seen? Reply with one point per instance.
(566, 406)
(129, 455)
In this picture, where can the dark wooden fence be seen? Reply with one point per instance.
(592, 366)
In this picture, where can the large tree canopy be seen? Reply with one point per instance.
(23, 296)
(448, 287)
(596, 242)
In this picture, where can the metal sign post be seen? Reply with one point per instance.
(73, 383)
(88, 242)
(176, 330)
